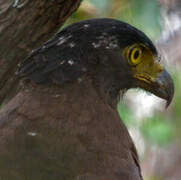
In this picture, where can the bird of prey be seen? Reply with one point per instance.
(66, 126)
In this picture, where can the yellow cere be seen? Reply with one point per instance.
(142, 61)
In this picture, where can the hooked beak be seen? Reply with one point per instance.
(163, 87)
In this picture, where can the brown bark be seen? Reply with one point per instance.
(25, 27)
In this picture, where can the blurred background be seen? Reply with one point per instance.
(156, 131)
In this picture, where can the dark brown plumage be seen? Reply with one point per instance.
(63, 124)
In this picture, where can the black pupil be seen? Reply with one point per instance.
(136, 54)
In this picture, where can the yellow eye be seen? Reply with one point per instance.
(134, 55)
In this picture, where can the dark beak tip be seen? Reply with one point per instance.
(170, 97)
(165, 87)
(168, 103)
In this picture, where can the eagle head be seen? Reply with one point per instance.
(113, 53)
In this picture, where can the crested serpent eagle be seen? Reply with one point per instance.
(67, 126)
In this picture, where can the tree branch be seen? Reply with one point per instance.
(24, 25)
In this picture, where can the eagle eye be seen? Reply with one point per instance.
(134, 54)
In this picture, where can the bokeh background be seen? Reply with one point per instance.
(156, 131)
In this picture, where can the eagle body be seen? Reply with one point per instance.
(63, 124)
(65, 134)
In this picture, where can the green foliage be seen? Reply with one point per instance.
(157, 130)
(144, 14)
(101, 5)
(126, 115)
(176, 108)
(177, 97)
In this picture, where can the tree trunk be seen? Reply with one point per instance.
(23, 27)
